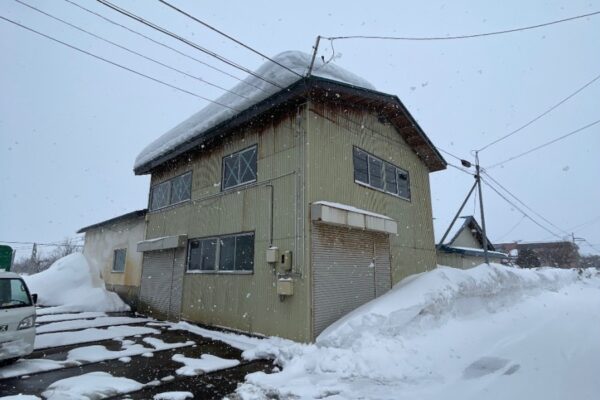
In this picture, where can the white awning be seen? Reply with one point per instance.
(352, 217)
(162, 243)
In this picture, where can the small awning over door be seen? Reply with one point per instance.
(351, 217)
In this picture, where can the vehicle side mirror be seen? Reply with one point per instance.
(34, 298)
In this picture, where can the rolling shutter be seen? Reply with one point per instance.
(162, 277)
(350, 268)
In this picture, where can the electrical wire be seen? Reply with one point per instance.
(519, 209)
(189, 43)
(114, 63)
(541, 115)
(127, 49)
(161, 44)
(42, 244)
(229, 37)
(544, 145)
(523, 204)
(467, 36)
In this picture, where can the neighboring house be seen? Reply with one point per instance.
(564, 254)
(465, 248)
(110, 247)
(278, 218)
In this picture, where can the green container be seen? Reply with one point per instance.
(6, 257)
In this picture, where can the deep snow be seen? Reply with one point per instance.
(250, 91)
(485, 333)
(72, 284)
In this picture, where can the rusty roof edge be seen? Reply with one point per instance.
(298, 90)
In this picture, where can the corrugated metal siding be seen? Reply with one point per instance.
(344, 276)
(157, 276)
(333, 132)
(245, 302)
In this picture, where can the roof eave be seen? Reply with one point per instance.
(298, 92)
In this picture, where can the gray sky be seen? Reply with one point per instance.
(71, 126)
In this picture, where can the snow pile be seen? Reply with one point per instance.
(94, 385)
(206, 363)
(71, 284)
(249, 92)
(488, 332)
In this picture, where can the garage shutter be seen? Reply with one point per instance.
(350, 268)
(157, 282)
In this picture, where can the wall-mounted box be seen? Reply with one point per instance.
(272, 255)
(285, 287)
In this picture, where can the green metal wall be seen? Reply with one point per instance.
(245, 302)
(332, 133)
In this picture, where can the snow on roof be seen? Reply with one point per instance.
(245, 94)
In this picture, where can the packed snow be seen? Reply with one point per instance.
(89, 354)
(250, 91)
(69, 316)
(206, 363)
(89, 323)
(72, 284)
(94, 385)
(56, 339)
(491, 332)
(173, 396)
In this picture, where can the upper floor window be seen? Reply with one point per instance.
(381, 175)
(239, 168)
(230, 253)
(119, 260)
(173, 191)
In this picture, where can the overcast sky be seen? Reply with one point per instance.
(71, 126)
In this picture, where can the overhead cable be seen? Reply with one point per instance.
(114, 63)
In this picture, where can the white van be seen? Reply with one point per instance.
(17, 318)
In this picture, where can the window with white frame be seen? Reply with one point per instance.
(228, 253)
(380, 175)
(175, 190)
(239, 168)
(119, 260)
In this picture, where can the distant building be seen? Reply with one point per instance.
(110, 247)
(465, 247)
(562, 254)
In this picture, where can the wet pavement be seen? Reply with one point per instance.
(155, 369)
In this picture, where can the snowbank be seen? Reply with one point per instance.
(250, 91)
(488, 332)
(71, 284)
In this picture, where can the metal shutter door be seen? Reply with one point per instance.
(157, 274)
(343, 274)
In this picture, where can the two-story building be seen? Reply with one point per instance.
(287, 203)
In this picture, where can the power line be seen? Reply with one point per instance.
(229, 37)
(450, 154)
(189, 43)
(523, 204)
(542, 114)
(161, 43)
(545, 144)
(467, 36)
(114, 63)
(520, 210)
(127, 49)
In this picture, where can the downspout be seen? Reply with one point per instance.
(270, 185)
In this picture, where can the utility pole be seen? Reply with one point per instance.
(34, 253)
(478, 178)
(312, 61)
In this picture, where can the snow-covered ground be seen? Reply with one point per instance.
(485, 333)
(72, 284)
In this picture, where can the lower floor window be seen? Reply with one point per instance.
(229, 253)
(119, 260)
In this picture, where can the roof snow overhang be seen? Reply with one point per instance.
(471, 252)
(318, 89)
